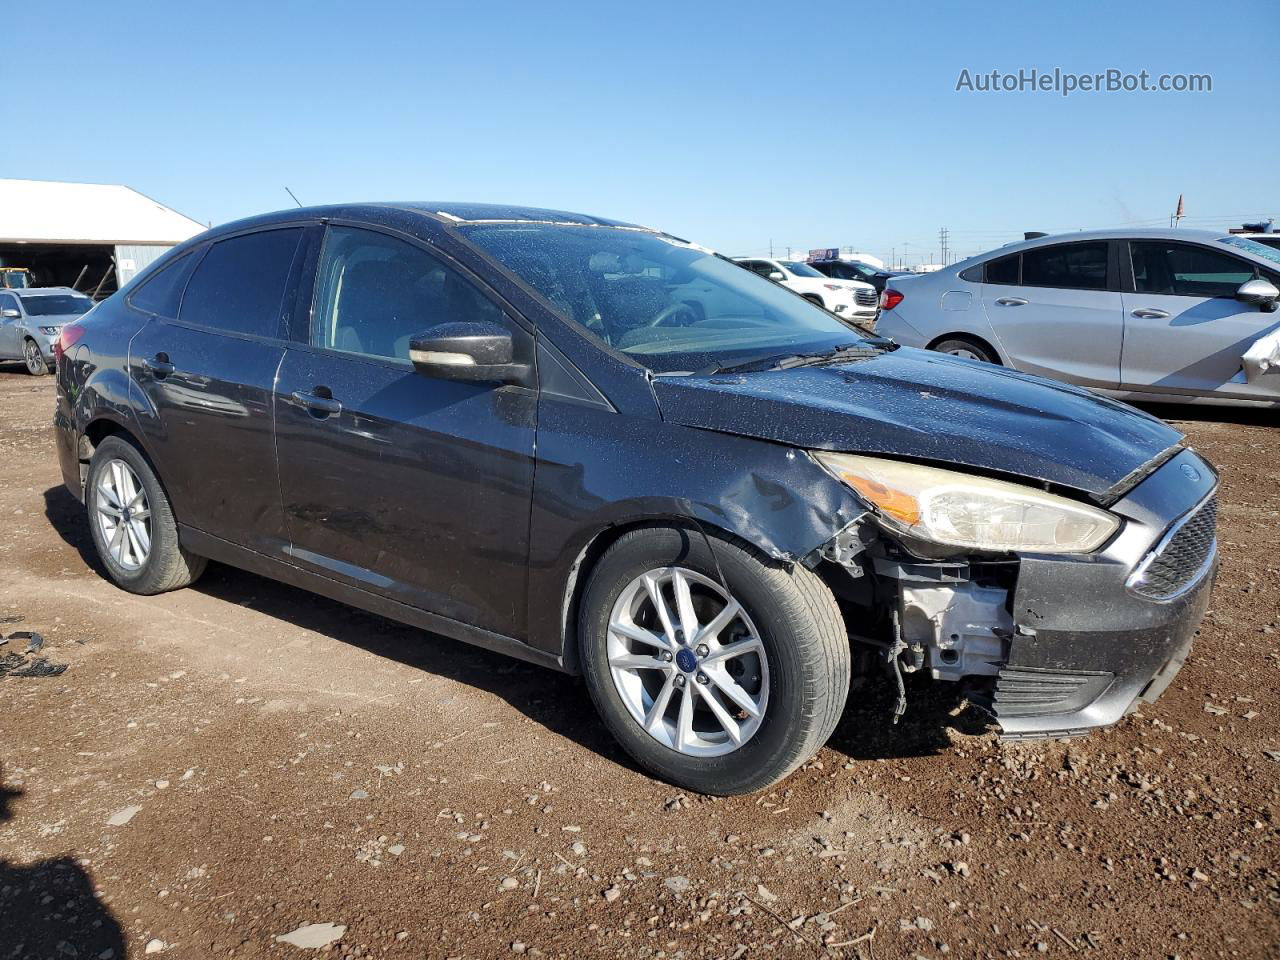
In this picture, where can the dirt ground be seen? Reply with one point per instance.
(222, 766)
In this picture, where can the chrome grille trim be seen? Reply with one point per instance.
(1182, 557)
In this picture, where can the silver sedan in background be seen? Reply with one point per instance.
(1170, 315)
(31, 319)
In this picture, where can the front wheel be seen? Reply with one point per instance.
(132, 523)
(718, 672)
(37, 366)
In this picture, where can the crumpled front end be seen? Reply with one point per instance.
(1051, 645)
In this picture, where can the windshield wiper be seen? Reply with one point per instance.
(862, 350)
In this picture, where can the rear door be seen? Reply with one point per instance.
(207, 375)
(413, 488)
(1185, 331)
(1056, 311)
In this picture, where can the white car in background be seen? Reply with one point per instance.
(847, 299)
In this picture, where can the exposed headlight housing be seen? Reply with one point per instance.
(960, 510)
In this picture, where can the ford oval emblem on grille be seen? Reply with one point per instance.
(1190, 472)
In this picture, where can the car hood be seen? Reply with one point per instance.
(929, 406)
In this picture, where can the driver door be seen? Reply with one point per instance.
(413, 488)
(1184, 331)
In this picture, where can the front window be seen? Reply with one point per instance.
(53, 305)
(667, 304)
(1266, 247)
(1183, 270)
(800, 269)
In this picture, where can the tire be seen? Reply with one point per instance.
(164, 565)
(970, 349)
(799, 686)
(37, 365)
(815, 300)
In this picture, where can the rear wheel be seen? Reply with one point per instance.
(132, 523)
(719, 685)
(37, 366)
(969, 349)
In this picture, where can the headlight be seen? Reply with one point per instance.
(964, 511)
(50, 331)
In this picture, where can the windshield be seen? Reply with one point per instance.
(800, 269)
(1254, 247)
(14, 279)
(667, 304)
(52, 305)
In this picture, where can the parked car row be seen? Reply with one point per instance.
(612, 452)
(1170, 315)
(849, 298)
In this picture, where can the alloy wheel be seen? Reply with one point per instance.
(688, 662)
(124, 514)
(35, 362)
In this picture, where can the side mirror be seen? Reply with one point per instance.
(476, 352)
(1260, 292)
(10, 314)
(777, 275)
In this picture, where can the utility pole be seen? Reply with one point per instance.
(944, 235)
(771, 249)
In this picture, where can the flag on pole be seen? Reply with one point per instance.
(1180, 212)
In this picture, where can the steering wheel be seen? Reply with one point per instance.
(674, 310)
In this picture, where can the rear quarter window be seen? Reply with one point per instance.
(161, 292)
(1003, 269)
(239, 285)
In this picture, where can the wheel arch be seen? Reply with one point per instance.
(968, 337)
(596, 547)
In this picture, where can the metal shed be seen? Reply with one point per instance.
(91, 236)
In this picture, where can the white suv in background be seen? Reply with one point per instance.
(848, 299)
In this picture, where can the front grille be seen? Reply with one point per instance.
(867, 298)
(1180, 557)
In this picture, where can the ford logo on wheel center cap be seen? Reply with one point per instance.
(686, 660)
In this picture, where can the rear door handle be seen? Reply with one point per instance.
(1150, 313)
(159, 365)
(1011, 301)
(316, 403)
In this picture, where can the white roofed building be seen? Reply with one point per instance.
(91, 236)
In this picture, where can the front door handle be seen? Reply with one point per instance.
(159, 365)
(316, 403)
(1011, 302)
(1150, 313)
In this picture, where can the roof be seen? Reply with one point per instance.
(45, 291)
(1115, 233)
(48, 211)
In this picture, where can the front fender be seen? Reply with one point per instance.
(598, 471)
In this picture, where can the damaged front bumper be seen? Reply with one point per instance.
(1094, 635)
(1054, 646)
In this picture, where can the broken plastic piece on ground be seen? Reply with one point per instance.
(39, 667)
(13, 618)
(34, 640)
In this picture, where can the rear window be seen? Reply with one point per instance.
(54, 305)
(239, 285)
(1067, 266)
(162, 291)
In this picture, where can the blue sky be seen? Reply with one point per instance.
(735, 124)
